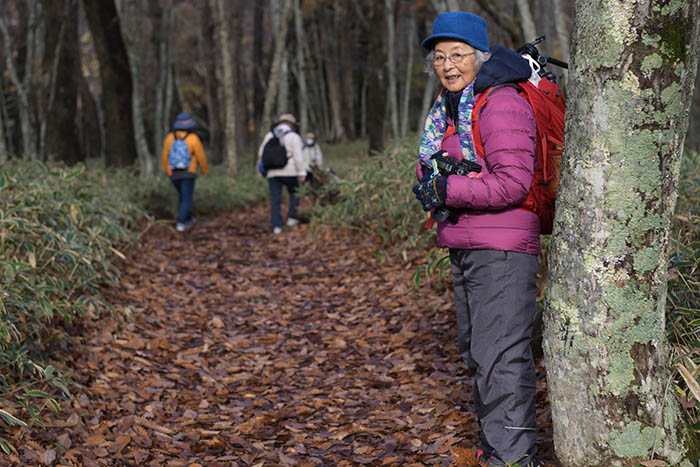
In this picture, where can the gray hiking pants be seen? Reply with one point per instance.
(495, 294)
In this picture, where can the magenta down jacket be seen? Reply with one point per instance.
(490, 219)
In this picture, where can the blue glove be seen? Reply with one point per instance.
(432, 193)
(262, 169)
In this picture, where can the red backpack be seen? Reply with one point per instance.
(548, 105)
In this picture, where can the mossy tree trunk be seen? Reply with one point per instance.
(606, 351)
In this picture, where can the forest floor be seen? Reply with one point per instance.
(237, 347)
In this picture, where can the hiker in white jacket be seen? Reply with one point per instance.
(290, 175)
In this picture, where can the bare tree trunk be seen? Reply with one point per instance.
(283, 83)
(276, 71)
(320, 81)
(56, 15)
(278, 15)
(363, 107)
(442, 6)
(526, 20)
(562, 28)
(120, 147)
(206, 48)
(23, 86)
(504, 21)
(391, 98)
(89, 122)
(607, 355)
(133, 27)
(3, 147)
(301, 68)
(162, 33)
(411, 35)
(429, 96)
(61, 67)
(5, 117)
(229, 86)
(376, 96)
(333, 75)
(170, 75)
(259, 91)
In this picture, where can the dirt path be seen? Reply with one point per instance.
(244, 348)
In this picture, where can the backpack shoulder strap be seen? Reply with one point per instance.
(476, 115)
(187, 133)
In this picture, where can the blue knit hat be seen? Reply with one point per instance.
(183, 121)
(460, 25)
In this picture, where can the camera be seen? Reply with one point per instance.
(447, 166)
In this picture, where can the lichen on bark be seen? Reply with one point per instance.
(605, 345)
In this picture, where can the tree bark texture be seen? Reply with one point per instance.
(392, 101)
(562, 28)
(23, 82)
(527, 23)
(276, 71)
(3, 146)
(228, 87)
(607, 356)
(61, 135)
(120, 146)
(302, 97)
(134, 30)
(410, 39)
(376, 93)
(504, 21)
(330, 57)
(206, 47)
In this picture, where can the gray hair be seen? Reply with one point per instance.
(480, 57)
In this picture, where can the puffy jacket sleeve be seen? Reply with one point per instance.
(199, 154)
(293, 145)
(508, 133)
(164, 155)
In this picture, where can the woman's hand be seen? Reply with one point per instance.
(431, 193)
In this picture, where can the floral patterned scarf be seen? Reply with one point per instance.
(436, 125)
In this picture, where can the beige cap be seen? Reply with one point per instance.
(289, 118)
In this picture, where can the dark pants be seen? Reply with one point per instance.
(495, 294)
(185, 192)
(276, 184)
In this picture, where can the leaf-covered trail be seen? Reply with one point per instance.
(244, 348)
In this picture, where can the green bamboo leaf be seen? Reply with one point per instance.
(55, 406)
(61, 386)
(11, 419)
(6, 446)
(35, 393)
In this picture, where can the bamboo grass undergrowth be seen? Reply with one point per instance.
(59, 229)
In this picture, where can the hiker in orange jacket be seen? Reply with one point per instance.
(182, 153)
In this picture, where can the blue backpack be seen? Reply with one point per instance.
(179, 155)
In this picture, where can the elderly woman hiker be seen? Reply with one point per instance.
(493, 243)
(182, 153)
(289, 175)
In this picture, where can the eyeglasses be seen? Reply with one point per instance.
(454, 58)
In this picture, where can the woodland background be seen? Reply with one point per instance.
(103, 79)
